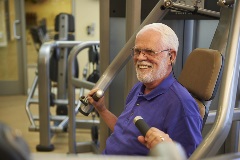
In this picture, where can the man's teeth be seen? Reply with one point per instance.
(143, 67)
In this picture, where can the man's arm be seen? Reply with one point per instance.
(109, 118)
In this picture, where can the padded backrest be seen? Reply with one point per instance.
(64, 23)
(201, 75)
(69, 21)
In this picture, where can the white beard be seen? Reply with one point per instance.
(152, 74)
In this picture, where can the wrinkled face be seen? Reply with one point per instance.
(151, 59)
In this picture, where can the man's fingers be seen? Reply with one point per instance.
(91, 93)
(141, 139)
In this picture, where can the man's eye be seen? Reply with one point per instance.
(137, 51)
(149, 51)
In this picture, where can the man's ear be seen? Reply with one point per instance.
(172, 56)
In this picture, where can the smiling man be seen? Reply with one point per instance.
(163, 103)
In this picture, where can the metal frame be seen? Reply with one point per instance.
(73, 83)
(213, 141)
(224, 115)
(63, 54)
(43, 81)
(169, 4)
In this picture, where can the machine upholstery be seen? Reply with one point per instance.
(201, 76)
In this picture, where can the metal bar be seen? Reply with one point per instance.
(178, 6)
(231, 143)
(220, 37)
(133, 21)
(44, 94)
(44, 91)
(62, 74)
(64, 122)
(80, 123)
(30, 101)
(220, 129)
(71, 93)
(212, 116)
(66, 44)
(225, 3)
(82, 83)
(105, 48)
(33, 101)
(62, 61)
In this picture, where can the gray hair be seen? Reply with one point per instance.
(169, 38)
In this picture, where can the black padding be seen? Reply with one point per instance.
(55, 56)
(218, 79)
(69, 38)
(62, 110)
(93, 55)
(93, 58)
(71, 25)
(44, 148)
(205, 117)
(94, 76)
(43, 29)
(94, 134)
(54, 65)
(35, 35)
(52, 98)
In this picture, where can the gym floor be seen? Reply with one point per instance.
(12, 113)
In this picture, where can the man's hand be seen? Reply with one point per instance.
(153, 137)
(98, 105)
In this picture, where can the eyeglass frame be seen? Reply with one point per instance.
(145, 52)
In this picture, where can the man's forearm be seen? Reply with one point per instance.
(109, 118)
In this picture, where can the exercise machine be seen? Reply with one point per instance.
(52, 77)
(225, 40)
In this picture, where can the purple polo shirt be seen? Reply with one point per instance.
(169, 107)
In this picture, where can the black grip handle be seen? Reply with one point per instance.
(141, 125)
(86, 108)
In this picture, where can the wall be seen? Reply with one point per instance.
(11, 18)
(86, 14)
(48, 9)
(3, 35)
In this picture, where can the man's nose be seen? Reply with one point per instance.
(142, 54)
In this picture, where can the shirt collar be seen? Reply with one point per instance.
(160, 89)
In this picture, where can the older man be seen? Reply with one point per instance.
(162, 102)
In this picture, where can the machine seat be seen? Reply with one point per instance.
(201, 76)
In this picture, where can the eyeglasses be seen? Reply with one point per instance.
(146, 52)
